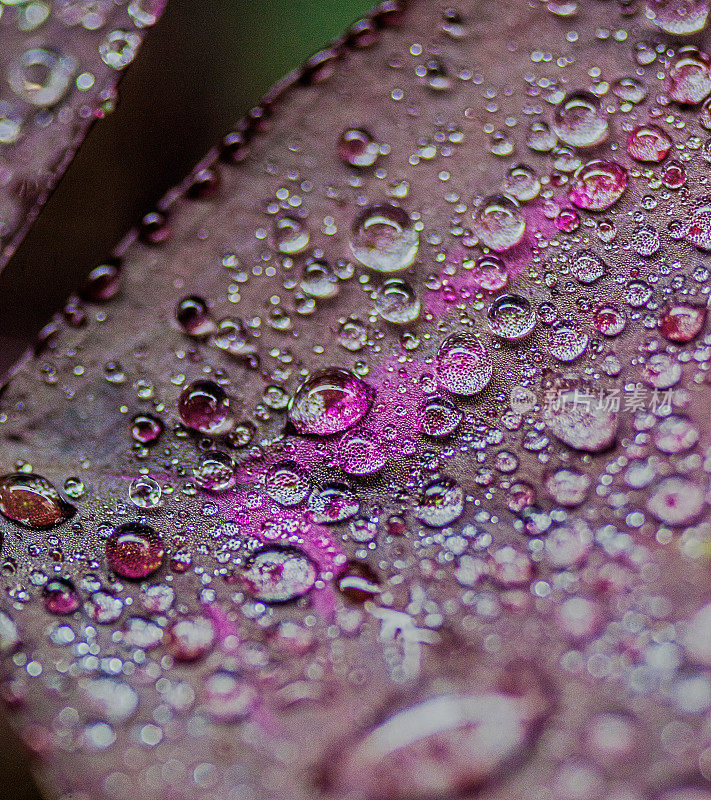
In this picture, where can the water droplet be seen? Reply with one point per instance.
(681, 323)
(396, 302)
(145, 492)
(441, 502)
(499, 223)
(205, 407)
(352, 334)
(60, 597)
(330, 401)
(41, 77)
(319, 280)
(359, 582)
(32, 501)
(583, 423)
(215, 472)
(134, 551)
(490, 273)
(587, 267)
(580, 120)
(102, 283)
(463, 364)
(291, 236)
(679, 17)
(675, 434)
(146, 429)
(357, 148)
(278, 575)
(540, 137)
(438, 417)
(193, 316)
(361, 453)
(629, 89)
(522, 183)
(191, 638)
(227, 697)
(566, 342)
(568, 487)
(511, 317)
(597, 185)
(609, 321)
(676, 501)
(661, 371)
(74, 488)
(673, 175)
(384, 238)
(333, 502)
(689, 76)
(287, 483)
(648, 143)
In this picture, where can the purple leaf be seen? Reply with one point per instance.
(59, 65)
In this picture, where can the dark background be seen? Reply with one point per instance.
(199, 70)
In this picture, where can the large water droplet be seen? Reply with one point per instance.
(205, 407)
(580, 120)
(511, 317)
(578, 418)
(384, 238)
(287, 483)
(499, 223)
(32, 501)
(277, 575)
(648, 143)
(330, 401)
(689, 77)
(134, 551)
(679, 17)
(438, 417)
(440, 503)
(361, 453)
(597, 185)
(463, 364)
(396, 302)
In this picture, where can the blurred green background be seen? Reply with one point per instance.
(200, 69)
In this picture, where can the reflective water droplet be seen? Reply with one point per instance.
(440, 503)
(278, 575)
(102, 283)
(511, 317)
(522, 183)
(357, 148)
(463, 364)
(568, 487)
(490, 273)
(648, 143)
(359, 582)
(193, 316)
(675, 434)
(609, 321)
(352, 334)
(689, 77)
(581, 422)
(319, 280)
(333, 502)
(103, 608)
(361, 453)
(191, 638)
(580, 120)
(632, 90)
(287, 483)
(587, 267)
(679, 17)
(661, 371)
(134, 551)
(330, 401)
(499, 223)
(540, 137)
(673, 175)
(681, 322)
(676, 501)
(146, 429)
(228, 697)
(60, 597)
(205, 407)
(597, 185)
(291, 236)
(41, 77)
(32, 501)
(145, 492)
(384, 238)
(438, 417)
(215, 472)
(566, 343)
(74, 488)
(396, 302)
